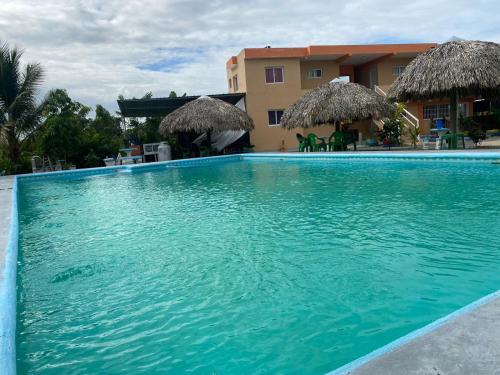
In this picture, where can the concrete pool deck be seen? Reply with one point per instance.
(8, 255)
(6, 184)
(465, 342)
(462, 343)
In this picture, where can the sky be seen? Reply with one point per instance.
(98, 50)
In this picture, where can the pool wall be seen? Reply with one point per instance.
(9, 248)
(8, 262)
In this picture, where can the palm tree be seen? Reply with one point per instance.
(19, 113)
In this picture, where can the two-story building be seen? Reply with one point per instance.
(274, 78)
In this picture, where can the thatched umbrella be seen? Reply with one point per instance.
(453, 69)
(334, 102)
(206, 115)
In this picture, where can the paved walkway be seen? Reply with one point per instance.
(5, 217)
(468, 344)
(7, 281)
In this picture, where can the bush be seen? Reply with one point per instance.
(473, 129)
(391, 132)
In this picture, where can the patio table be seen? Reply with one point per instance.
(135, 159)
(128, 151)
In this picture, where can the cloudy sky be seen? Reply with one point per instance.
(100, 49)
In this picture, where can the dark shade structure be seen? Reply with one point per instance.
(453, 69)
(335, 102)
(206, 115)
(160, 107)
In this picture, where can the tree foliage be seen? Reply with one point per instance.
(19, 111)
(58, 127)
(68, 133)
(391, 131)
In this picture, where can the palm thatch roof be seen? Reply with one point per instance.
(454, 68)
(336, 102)
(206, 114)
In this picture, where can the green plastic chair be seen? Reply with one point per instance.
(186, 153)
(336, 142)
(452, 139)
(205, 151)
(349, 138)
(303, 143)
(314, 145)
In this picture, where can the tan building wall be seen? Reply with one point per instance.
(261, 96)
(385, 76)
(238, 70)
(330, 70)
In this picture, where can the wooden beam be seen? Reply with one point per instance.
(343, 58)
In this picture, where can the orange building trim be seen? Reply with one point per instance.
(233, 60)
(331, 50)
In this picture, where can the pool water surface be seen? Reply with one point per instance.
(248, 267)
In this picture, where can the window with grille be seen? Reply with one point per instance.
(235, 83)
(442, 110)
(315, 73)
(398, 69)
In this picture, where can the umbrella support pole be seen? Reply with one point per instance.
(209, 141)
(453, 119)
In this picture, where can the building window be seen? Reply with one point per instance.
(315, 73)
(398, 70)
(235, 83)
(430, 111)
(274, 116)
(442, 110)
(274, 74)
(373, 77)
(230, 83)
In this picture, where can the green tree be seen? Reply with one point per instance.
(69, 133)
(20, 113)
(62, 132)
(102, 137)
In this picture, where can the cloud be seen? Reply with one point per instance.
(100, 49)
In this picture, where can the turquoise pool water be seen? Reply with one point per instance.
(248, 267)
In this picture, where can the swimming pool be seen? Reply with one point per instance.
(261, 265)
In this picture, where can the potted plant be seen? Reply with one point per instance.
(391, 131)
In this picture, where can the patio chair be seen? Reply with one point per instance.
(37, 164)
(313, 143)
(349, 138)
(109, 162)
(47, 164)
(303, 143)
(336, 141)
(205, 151)
(452, 140)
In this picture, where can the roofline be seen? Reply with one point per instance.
(159, 107)
(233, 94)
(325, 50)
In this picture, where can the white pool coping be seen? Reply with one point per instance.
(9, 233)
(8, 267)
(427, 350)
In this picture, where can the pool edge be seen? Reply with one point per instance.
(8, 291)
(413, 335)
